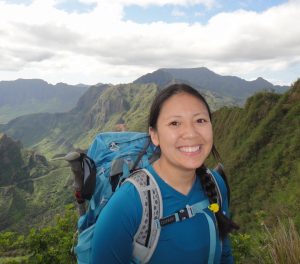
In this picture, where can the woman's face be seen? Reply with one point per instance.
(183, 133)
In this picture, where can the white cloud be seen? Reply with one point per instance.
(40, 41)
(206, 3)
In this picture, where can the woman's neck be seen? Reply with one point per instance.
(181, 180)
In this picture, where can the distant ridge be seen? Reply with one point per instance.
(26, 96)
(205, 79)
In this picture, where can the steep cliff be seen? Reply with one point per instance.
(260, 145)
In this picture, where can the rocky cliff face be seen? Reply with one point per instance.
(89, 98)
(11, 161)
(105, 107)
(16, 163)
(25, 189)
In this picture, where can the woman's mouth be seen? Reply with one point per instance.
(190, 149)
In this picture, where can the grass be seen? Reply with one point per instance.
(282, 244)
(14, 260)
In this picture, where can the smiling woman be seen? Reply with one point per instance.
(195, 219)
(183, 132)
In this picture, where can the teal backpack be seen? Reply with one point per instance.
(118, 157)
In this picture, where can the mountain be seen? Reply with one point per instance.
(31, 188)
(103, 107)
(100, 108)
(205, 79)
(25, 96)
(260, 144)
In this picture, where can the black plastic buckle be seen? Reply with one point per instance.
(183, 214)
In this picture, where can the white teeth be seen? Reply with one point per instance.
(189, 149)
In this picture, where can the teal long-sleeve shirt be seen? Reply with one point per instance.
(181, 242)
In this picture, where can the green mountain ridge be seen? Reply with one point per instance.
(260, 144)
(31, 189)
(101, 108)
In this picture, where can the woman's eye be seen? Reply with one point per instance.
(174, 123)
(201, 120)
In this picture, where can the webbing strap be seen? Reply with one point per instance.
(212, 235)
(185, 213)
(188, 212)
(198, 207)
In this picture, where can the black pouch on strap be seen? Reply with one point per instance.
(89, 177)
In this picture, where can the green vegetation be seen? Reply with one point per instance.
(8, 113)
(35, 200)
(31, 188)
(279, 244)
(283, 244)
(47, 245)
(261, 145)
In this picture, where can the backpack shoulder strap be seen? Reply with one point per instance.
(216, 174)
(219, 193)
(220, 169)
(147, 235)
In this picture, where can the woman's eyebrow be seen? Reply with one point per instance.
(180, 116)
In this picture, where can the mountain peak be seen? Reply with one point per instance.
(160, 77)
(7, 142)
(262, 80)
(203, 78)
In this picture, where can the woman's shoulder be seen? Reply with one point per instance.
(126, 199)
(124, 206)
(127, 193)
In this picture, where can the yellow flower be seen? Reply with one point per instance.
(214, 207)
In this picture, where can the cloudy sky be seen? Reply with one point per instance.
(117, 41)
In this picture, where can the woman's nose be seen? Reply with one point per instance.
(189, 131)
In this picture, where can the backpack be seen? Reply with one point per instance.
(120, 157)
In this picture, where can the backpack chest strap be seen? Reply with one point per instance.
(188, 212)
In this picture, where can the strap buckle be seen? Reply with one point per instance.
(185, 213)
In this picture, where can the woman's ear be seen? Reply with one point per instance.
(154, 136)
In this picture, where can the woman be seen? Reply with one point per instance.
(180, 126)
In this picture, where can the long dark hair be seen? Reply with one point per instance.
(225, 224)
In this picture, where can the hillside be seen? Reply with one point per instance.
(206, 80)
(48, 132)
(101, 108)
(31, 188)
(260, 144)
(26, 96)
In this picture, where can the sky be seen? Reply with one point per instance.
(117, 41)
